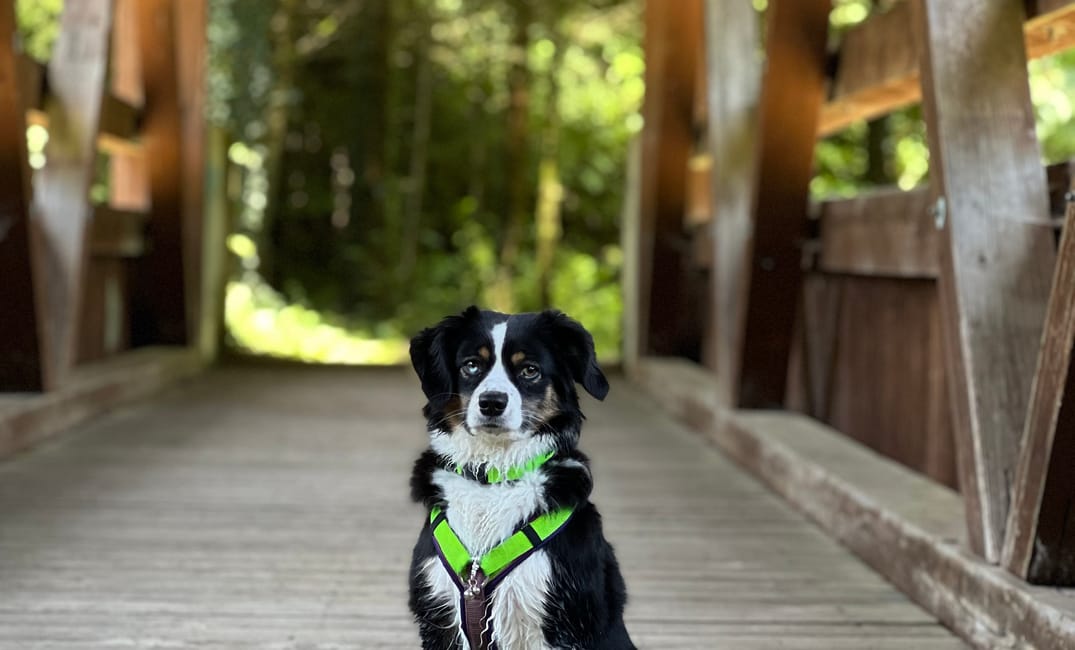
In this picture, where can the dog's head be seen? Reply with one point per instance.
(511, 378)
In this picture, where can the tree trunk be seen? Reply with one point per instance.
(517, 161)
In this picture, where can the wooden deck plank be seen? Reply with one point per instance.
(267, 508)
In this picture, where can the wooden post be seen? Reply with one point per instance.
(20, 351)
(160, 310)
(995, 261)
(190, 58)
(1040, 542)
(77, 74)
(673, 36)
(733, 93)
(766, 264)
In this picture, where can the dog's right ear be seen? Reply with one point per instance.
(432, 352)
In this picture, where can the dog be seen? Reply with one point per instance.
(511, 555)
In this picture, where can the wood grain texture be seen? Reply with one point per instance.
(268, 508)
(791, 97)
(1040, 542)
(870, 363)
(903, 525)
(996, 262)
(92, 390)
(672, 41)
(734, 93)
(76, 84)
(159, 284)
(888, 387)
(21, 367)
(191, 66)
(881, 233)
(878, 71)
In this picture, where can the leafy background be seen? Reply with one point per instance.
(396, 161)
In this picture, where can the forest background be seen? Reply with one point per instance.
(396, 160)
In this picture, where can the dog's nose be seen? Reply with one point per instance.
(492, 404)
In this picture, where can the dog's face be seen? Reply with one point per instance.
(513, 377)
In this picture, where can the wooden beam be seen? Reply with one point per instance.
(118, 233)
(791, 97)
(878, 71)
(887, 232)
(77, 74)
(31, 81)
(1040, 544)
(996, 256)
(191, 42)
(673, 37)
(20, 350)
(734, 91)
(159, 309)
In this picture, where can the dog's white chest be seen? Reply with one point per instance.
(482, 516)
(516, 606)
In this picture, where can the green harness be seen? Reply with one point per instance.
(477, 577)
(512, 550)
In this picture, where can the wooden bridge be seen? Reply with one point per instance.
(908, 484)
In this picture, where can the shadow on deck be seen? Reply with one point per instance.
(267, 508)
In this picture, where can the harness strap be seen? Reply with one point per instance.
(510, 552)
(491, 475)
(476, 584)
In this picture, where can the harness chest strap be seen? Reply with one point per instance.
(476, 578)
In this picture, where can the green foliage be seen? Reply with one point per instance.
(38, 23)
(354, 213)
(1052, 87)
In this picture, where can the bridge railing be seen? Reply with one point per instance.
(911, 321)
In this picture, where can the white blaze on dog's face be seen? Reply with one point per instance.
(496, 381)
(495, 404)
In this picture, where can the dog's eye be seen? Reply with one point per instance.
(530, 372)
(470, 368)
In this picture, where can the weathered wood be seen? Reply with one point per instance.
(105, 327)
(888, 232)
(269, 505)
(119, 120)
(699, 209)
(901, 524)
(20, 349)
(995, 266)
(191, 26)
(118, 233)
(91, 391)
(1040, 544)
(791, 96)
(158, 295)
(734, 91)
(31, 75)
(77, 75)
(878, 71)
(673, 36)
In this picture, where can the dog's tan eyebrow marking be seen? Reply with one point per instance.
(518, 357)
(484, 353)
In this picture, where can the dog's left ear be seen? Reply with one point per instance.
(576, 344)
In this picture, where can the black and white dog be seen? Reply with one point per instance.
(511, 555)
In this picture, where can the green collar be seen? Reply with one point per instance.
(505, 555)
(494, 475)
